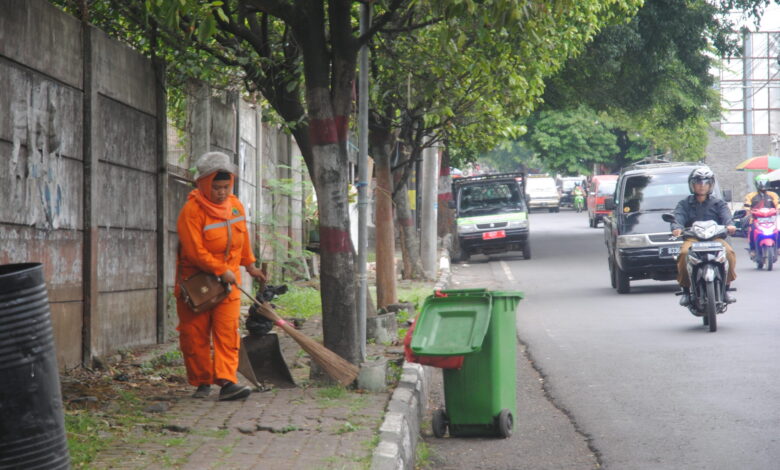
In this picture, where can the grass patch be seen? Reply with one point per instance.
(82, 429)
(332, 393)
(423, 454)
(299, 301)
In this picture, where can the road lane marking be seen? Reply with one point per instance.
(507, 271)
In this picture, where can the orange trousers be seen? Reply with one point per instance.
(682, 272)
(196, 332)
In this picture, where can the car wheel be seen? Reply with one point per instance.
(622, 282)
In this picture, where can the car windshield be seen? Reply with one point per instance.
(654, 192)
(606, 188)
(490, 198)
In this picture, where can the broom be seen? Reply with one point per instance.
(334, 365)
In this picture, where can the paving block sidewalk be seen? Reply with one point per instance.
(281, 429)
(310, 427)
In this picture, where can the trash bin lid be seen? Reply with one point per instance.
(452, 326)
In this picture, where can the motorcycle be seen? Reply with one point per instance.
(707, 267)
(762, 232)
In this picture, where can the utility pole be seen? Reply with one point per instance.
(748, 94)
(429, 183)
(362, 184)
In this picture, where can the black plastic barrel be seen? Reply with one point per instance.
(32, 426)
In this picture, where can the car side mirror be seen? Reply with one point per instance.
(727, 195)
(609, 203)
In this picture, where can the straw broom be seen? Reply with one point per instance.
(334, 365)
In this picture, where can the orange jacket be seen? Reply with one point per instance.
(204, 241)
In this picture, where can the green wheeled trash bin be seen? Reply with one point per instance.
(480, 397)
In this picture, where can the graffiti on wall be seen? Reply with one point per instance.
(39, 175)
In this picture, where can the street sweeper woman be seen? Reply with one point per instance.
(213, 239)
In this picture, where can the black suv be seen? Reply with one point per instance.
(637, 239)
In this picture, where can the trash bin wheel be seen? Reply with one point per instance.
(439, 422)
(505, 422)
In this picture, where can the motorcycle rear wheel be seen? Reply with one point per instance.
(711, 311)
(770, 258)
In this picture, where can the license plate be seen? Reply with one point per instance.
(669, 251)
(494, 234)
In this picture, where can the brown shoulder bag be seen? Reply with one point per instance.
(203, 291)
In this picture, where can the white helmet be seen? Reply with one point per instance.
(701, 175)
(211, 162)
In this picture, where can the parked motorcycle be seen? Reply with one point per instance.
(707, 267)
(763, 234)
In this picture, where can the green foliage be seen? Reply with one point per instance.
(571, 141)
(290, 258)
(299, 302)
(651, 77)
(468, 76)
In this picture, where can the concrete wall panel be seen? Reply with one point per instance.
(39, 189)
(40, 36)
(123, 74)
(127, 198)
(39, 110)
(66, 320)
(128, 136)
(125, 319)
(59, 251)
(130, 260)
(248, 121)
(223, 125)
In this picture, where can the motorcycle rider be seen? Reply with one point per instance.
(759, 199)
(578, 191)
(699, 207)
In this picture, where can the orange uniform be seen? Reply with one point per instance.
(204, 234)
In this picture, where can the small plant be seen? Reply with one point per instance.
(332, 393)
(346, 427)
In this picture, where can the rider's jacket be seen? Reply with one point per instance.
(689, 210)
(759, 200)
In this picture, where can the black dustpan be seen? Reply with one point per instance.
(260, 360)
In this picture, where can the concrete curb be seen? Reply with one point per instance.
(400, 430)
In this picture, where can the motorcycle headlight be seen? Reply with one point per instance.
(518, 224)
(631, 241)
(467, 228)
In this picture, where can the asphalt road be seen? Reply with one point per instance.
(629, 381)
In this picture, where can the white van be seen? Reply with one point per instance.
(542, 193)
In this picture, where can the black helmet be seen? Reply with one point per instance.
(701, 175)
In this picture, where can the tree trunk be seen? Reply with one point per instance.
(381, 147)
(337, 272)
(410, 242)
(446, 218)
